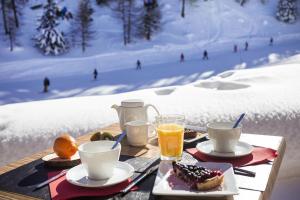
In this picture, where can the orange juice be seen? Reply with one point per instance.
(170, 139)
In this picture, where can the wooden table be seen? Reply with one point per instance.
(263, 183)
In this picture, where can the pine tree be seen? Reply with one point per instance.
(9, 7)
(14, 8)
(50, 40)
(12, 31)
(84, 18)
(149, 21)
(183, 8)
(4, 15)
(126, 10)
(287, 11)
(10, 20)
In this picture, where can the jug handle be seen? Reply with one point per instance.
(150, 105)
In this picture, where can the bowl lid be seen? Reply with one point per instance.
(131, 103)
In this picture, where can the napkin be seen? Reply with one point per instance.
(259, 155)
(61, 189)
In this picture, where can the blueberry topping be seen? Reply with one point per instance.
(194, 173)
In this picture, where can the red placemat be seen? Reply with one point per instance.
(259, 155)
(61, 189)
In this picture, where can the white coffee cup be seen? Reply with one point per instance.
(138, 132)
(99, 159)
(223, 136)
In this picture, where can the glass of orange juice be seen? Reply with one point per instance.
(170, 130)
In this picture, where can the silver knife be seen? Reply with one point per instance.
(63, 172)
(139, 178)
(244, 172)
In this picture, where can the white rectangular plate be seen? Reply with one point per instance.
(165, 178)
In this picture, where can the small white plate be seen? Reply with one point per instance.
(78, 176)
(166, 183)
(201, 133)
(241, 149)
(198, 137)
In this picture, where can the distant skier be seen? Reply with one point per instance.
(246, 46)
(95, 73)
(138, 65)
(235, 48)
(271, 41)
(69, 15)
(63, 12)
(46, 84)
(205, 55)
(181, 57)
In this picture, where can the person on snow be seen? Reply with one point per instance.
(205, 55)
(138, 65)
(235, 48)
(246, 46)
(63, 12)
(95, 73)
(46, 84)
(271, 41)
(181, 57)
(69, 15)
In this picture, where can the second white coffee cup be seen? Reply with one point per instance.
(99, 159)
(138, 132)
(223, 136)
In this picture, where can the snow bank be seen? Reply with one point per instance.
(268, 95)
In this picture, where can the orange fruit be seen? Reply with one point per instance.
(65, 146)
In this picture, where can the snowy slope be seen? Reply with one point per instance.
(22, 80)
(268, 96)
(206, 22)
(213, 25)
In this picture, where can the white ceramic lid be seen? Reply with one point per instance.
(131, 103)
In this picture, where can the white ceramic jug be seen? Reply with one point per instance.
(131, 110)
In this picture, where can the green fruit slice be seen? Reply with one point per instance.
(107, 136)
(96, 136)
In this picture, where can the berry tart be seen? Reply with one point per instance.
(197, 177)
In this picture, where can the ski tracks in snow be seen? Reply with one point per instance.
(247, 20)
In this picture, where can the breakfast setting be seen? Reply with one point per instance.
(163, 157)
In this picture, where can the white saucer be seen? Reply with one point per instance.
(241, 149)
(78, 176)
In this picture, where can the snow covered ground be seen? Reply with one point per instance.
(268, 95)
(206, 23)
(22, 80)
(213, 25)
(267, 90)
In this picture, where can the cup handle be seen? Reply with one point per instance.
(153, 132)
(150, 105)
